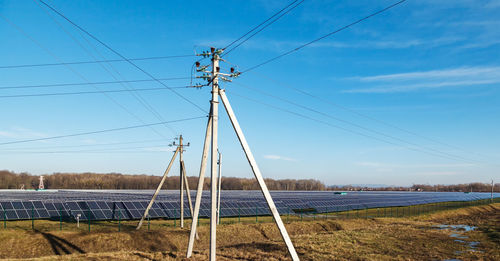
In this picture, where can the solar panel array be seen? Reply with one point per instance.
(114, 204)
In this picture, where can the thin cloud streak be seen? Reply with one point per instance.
(277, 157)
(413, 81)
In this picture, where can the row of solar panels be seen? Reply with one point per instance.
(102, 210)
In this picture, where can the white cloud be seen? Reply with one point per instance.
(277, 157)
(413, 81)
(7, 134)
(19, 132)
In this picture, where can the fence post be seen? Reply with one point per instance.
(256, 216)
(175, 219)
(149, 222)
(119, 220)
(33, 217)
(288, 214)
(60, 218)
(239, 215)
(88, 217)
(4, 219)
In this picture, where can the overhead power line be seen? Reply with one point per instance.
(116, 77)
(117, 150)
(120, 55)
(125, 108)
(88, 83)
(89, 92)
(329, 102)
(350, 130)
(324, 36)
(101, 131)
(354, 124)
(82, 145)
(93, 62)
(263, 27)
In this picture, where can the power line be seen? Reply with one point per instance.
(89, 92)
(319, 98)
(137, 96)
(241, 37)
(343, 128)
(324, 36)
(120, 55)
(75, 72)
(82, 145)
(88, 83)
(85, 150)
(352, 124)
(264, 27)
(100, 131)
(93, 62)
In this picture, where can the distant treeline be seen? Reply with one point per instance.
(11, 180)
(475, 187)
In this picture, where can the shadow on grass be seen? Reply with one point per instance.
(59, 245)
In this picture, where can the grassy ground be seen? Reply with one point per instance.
(316, 238)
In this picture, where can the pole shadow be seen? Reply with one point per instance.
(60, 246)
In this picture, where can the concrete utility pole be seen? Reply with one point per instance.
(183, 183)
(183, 179)
(212, 78)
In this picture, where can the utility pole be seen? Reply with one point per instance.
(183, 183)
(182, 177)
(213, 177)
(212, 78)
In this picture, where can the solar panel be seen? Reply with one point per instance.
(105, 205)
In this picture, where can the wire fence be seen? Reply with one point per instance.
(233, 216)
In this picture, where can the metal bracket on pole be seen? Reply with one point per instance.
(219, 187)
(157, 189)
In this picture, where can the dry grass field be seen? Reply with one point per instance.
(408, 238)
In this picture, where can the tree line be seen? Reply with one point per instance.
(12, 180)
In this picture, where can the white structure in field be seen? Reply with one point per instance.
(40, 185)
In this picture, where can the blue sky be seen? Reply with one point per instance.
(420, 79)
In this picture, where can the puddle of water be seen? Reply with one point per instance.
(464, 228)
(457, 232)
(455, 235)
